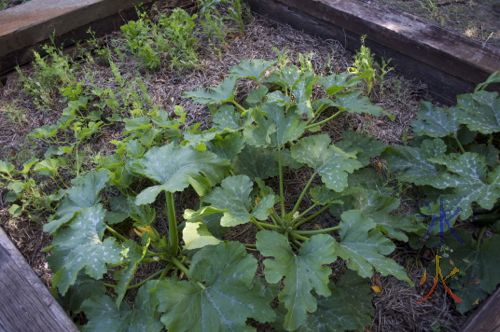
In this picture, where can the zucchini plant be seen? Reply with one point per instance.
(118, 234)
(455, 158)
(142, 242)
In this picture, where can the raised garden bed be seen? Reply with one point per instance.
(449, 63)
(115, 90)
(476, 20)
(25, 27)
(26, 304)
(5, 4)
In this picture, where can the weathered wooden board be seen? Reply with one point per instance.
(25, 303)
(487, 317)
(34, 22)
(449, 63)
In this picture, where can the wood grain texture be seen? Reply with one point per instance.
(25, 303)
(24, 27)
(35, 21)
(487, 317)
(449, 63)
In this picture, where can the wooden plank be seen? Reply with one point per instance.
(25, 303)
(487, 317)
(449, 63)
(25, 26)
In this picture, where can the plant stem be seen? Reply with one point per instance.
(238, 106)
(139, 284)
(319, 231)
(276, 218)
(480, 237)
(152, 253)
(282, 189)
(324, 121)
(320, 211)
(460, 146)
(303, 193)
(257, 224)
(296, 244)
(173, 235)
(273, 219)
(164, 272)
(298, 236)
(309, 209)
(265, 225)
(179, 265)
(319, 111)
(77, 160)
(115, 233)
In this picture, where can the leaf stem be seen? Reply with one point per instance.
(282, 189)
(260, 227)
(298, 236)
(177, 263)
(173, 235)
(139, 284)
(153, 253)
(238, 106)
(319, 111)
(309, 209)
(480, 237)
(318, 231)
(303, 193)
(460, 146)
(77, 159)
(276, 218)
(116, 234)
(315, 215)
(324, 121)
(273, 219)
(265, 225)
(164, 272)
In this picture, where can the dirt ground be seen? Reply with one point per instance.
(476, 19)
(395, 309)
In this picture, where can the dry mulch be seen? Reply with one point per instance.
(262, 39)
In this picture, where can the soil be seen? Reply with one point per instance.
(475, 19)
(262, 39)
